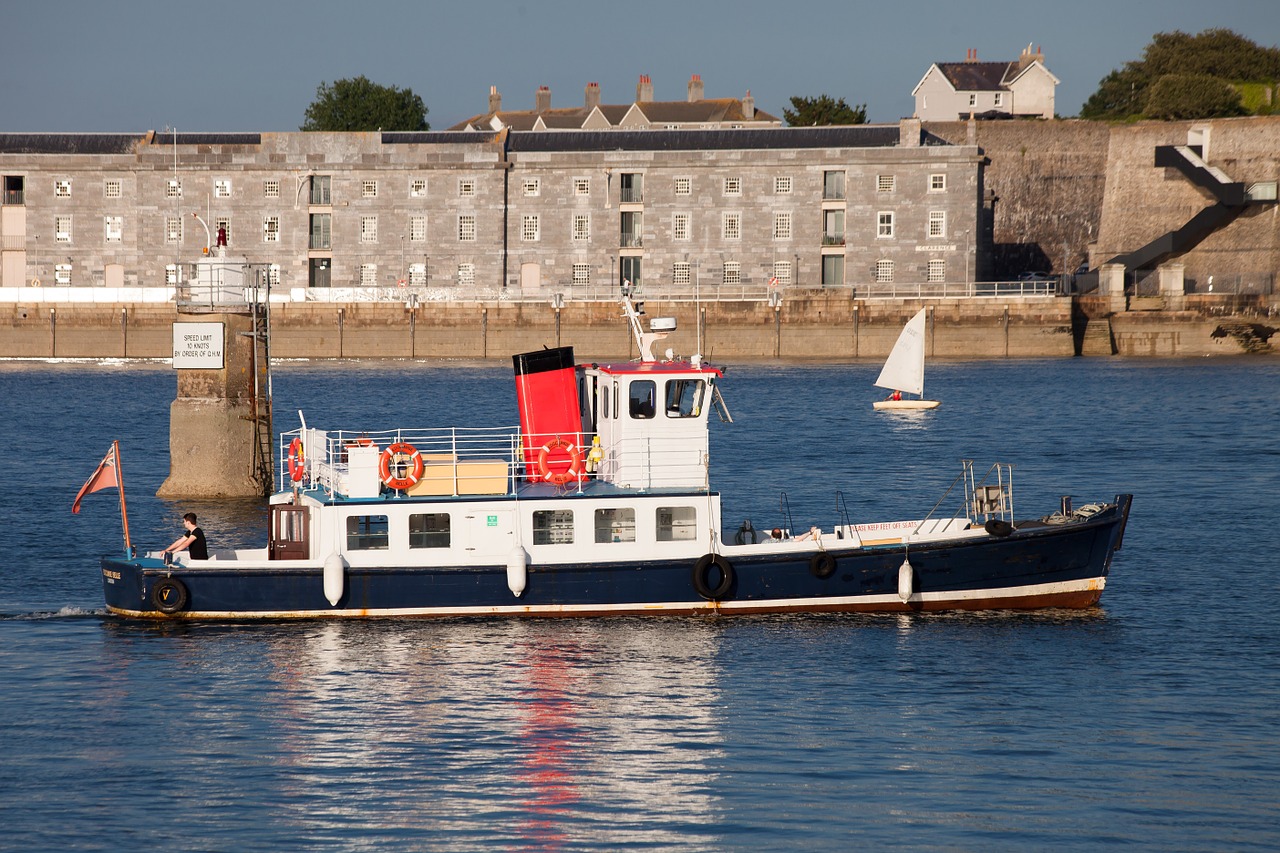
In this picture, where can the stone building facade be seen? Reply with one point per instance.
(476, 213)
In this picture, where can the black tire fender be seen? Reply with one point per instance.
(822, 565)
(998, 528)
(700, 576)
(169, 595)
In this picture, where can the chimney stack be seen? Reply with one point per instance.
(644, 89)
(542, 100)
(495, 100)
(971, 55)
(695, 88)
(592, 95)
(748, 106)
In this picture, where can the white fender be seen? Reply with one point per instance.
(517, 570)
(904, 579)
(334, 574)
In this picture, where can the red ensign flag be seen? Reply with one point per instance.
(104, 478)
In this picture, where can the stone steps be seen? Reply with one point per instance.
(1097, 338)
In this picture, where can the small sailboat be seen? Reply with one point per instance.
(904, 369)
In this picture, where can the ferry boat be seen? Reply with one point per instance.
(599, 502)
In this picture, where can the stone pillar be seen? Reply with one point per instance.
(909, 133)
(211, 431)
(1172, 279)
(1111, 283)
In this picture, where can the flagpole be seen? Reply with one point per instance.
(124, 512)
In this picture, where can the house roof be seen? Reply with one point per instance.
(656, 112)
(978, 76)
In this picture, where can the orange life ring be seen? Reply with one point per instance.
(412, 476)
(297, 461)
(559, 478)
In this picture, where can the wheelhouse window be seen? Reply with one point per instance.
(643, 399)
(684, 398)
(616, 525)
(367, 533)
(553, 527)
(429, 530)
(677, 523)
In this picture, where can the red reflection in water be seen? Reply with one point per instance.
(546, 772)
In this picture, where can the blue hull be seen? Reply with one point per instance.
(1042, 566)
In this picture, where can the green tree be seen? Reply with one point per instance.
(1186, 96)
(807, 112)
(359, 104)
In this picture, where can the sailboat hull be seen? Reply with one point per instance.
(905, 404)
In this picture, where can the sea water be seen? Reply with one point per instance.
(1151, 721)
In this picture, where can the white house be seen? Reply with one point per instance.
(956, 90)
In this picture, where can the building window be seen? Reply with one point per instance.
(644, 401)
(173, 188)
(999, 99)
(885, 183)
(368, 275)
(418, 274)
(884, 272)
(114, 228)
(615, 525)
(62, 229)
(937, 183)
(466, 275)
(684, 186)
(368, 189)
(553, 527)
(832, 270)
(467, 187)
(532, 186)
(62, 189)
(782, 185)
(368, 229)
(418, 189)
(581, 227)
(731, 225)
(582, 186)
(682, 273)
(271, 229)
(684, 398)
(62, 274)
(631, 185)
(937, 223)
(172, 230)
(111, 189)
(222, 224)
(680, 226)
(273, 275)
(14, 189)
(530, 230)
(884, 224)
(321, 228)
(467, 227)
(429, 530)
(367, 533)
(833, 227)
(320, 189)
(732, 273)
(418, 228)
(271, 189)
(937, 271)
(677, 523)
(973, 100)
(833, 185)
(581, 275)
(632, 225)
(222, 188)
(782, 225)
(733, 186)
(782, 273)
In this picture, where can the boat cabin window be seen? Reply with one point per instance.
(604, 399)
(367, 533)
(616, 525)
(643, 393)
(684, 398)
(553, 527)
(677, 523)
(429, 530)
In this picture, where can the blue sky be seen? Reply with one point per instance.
(240, 65)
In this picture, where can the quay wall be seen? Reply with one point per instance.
(809, 325)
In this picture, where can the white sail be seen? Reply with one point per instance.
(904, 369)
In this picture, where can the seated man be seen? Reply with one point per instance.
(192, 541)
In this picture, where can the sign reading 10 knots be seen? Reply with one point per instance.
(197, 346)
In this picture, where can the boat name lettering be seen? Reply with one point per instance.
(108, 573)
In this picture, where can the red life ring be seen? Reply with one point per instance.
(297, 461)
(559, 478)
(400, 449)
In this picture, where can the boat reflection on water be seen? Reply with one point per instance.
(561, 731)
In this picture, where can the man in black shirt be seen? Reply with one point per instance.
(193, 542)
